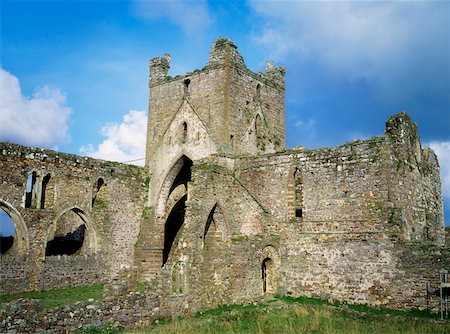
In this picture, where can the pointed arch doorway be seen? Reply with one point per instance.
(175, 204)
(268, 276)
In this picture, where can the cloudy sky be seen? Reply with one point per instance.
(74, 74)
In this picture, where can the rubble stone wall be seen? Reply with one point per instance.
(111, 216)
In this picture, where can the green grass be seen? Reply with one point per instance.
(58, 297)
(361, 308)
(290, 315)
(294, 318)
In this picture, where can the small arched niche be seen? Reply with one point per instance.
(99, 194)
(184, 132)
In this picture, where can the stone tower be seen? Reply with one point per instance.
(223, 108)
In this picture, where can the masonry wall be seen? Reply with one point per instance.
(344, 246)
(112, 222)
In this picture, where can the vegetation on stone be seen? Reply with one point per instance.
(59, 297)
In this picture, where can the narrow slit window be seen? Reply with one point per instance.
(298, 194)
(187, 86)
(97, 191)
(184, 132)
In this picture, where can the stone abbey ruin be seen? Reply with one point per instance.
(223, 212)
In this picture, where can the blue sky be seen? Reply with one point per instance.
(74, 74)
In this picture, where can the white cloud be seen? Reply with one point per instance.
(401, 47)
(123, 142)
(41, 120)
(191, 16)
(442, 149)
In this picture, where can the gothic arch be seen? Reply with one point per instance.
(90, 241)
(171, 205)
(216, 225)
(269, 262)
(169, 183)
(172, 227)
(295, 193)
(21, 241)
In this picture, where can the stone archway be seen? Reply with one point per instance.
(269, 263)
(20, 242)
(268, 274)
(72, 233)
(172, 203)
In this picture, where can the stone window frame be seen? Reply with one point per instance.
(32, 198)
(21, 243)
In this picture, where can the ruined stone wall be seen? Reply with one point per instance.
(414, 185)
(242, 111)
(222, 108)
(256, 111)
(216, 255)
(71, 198)
(342, 244)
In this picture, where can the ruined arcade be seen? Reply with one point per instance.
(223, 212)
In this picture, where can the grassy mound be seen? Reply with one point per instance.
(58, 297)
(295, 315)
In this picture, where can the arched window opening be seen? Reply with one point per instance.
(258, 91)
(48, 188)
(69, 236)
(7, 232)
(268, 276)
(173, 225)
(184, 132)
(98, 199)
(183, 176)
(175, 211)
(187, 86)
(298, 193)
(31, 192)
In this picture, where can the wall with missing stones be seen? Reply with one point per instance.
(48, 196)
(223, 213)
(347, 237)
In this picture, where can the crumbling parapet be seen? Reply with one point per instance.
(159, 67)
(415, 191)
(224, 52)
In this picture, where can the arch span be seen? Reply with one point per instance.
(72, 232)
(21, 241)
(218, 223)
(179, 173)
